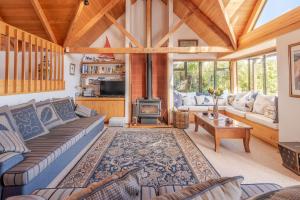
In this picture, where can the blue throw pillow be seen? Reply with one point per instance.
(65, 109)
(47, 114)
(7, 122)
(27, 120)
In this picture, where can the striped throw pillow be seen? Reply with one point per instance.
(11, 141)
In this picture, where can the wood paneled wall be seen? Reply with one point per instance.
(30, 64)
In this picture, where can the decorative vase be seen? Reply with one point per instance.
(216, 110)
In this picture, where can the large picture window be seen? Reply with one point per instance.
(199, 76)
(258, 74)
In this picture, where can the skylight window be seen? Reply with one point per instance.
(274, 9)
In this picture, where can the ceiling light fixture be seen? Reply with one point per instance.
(86, 2)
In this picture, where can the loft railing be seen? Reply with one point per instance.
(28, 63)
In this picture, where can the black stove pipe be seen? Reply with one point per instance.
(149, 76)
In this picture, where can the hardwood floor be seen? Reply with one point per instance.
(262, 165)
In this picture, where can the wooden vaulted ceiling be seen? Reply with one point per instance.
(217, 22)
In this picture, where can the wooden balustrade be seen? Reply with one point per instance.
(29, 63)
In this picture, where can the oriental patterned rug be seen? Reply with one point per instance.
(165, 156)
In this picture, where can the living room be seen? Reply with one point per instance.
(149, 99)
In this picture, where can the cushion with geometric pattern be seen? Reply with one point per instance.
(47, 114)
(27, 120)
(65, 109)
(7, 123)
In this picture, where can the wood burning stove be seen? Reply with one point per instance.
(148, 109)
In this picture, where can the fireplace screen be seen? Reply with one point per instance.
(151, 109)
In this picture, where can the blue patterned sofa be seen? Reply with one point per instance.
(147, 193)
(50, 154)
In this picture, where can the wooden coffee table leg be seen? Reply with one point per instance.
(196, 124)
(217, 144)
(246, 141)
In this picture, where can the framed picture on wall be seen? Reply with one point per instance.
(294, 64)
(72, 69)
(187, 43)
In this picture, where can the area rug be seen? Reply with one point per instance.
(164, 156)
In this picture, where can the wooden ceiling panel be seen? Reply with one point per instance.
(59, 14)
(239, 13)
(198, 26)
(101, 26)
(20, 13)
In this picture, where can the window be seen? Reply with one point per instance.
(271, 73)
(258, 74)
(199, 76)
(223, 75)
(274, 9)
(243, 75)
(207, 75)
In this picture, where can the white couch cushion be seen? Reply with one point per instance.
(234, 111)
(261, 119)
(194, 108)
(261, 102)
(219, 107)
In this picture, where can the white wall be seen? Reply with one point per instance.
(289, 107)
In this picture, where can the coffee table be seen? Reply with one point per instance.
(219, 129)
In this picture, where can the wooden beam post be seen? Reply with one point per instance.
(254, 16)
(149, 23)
(185, 50)
(229, 26)
(40, 13)
(174, 29)
(123, 30)
(7, 61)
(16, 48)
(127, 64)
(201, 16)
(92, 22)
(74, 21)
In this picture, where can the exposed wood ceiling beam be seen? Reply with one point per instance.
(94, 20)
(174, 29)
(149, 23)
(74, 21)
(288, 22)
(254, 16)
(201, 16)
(40, 13)
(229, 26)
(124, 31)
(185, 50)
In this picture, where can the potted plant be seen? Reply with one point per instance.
(215, 94)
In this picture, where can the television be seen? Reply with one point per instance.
(112, 88)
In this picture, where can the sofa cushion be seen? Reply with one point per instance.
(26, 197)
(27, 120)
(11, 141)
(120, 185)
(234, 111)
(219, 107)
(194, 108)
(261, 119)
(250, 190)
(83, 111)
(261, 102)
(288, 193)
(6, 120)
(189, 101)
(8, 160)
(222, 188)
(44, 150)
(65, 109)
(87, 124)
(47, 114)
(200, 100)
